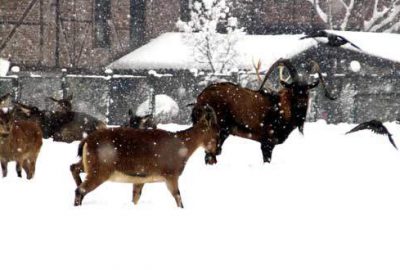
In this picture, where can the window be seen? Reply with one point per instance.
(138, 21)
(102, 15)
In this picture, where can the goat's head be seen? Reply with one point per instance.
(6, 101)
(27, 111)
(5, 122)
(63, 104)
(298, 85)
(205, 118)
(141, 122)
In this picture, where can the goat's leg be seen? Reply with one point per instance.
(172, 185)
(76, 169)
(31, 168)
(211, 158)
(266, 148)
(90, 184)
(27, 166)
(137, 192)
(4, 167)
(18, 169)
(222, 137)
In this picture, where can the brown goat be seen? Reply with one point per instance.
(140, 122)
(20, 141)
(142, 156)
(266, 117)
(62, 125)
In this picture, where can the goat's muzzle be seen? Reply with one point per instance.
(210, 159)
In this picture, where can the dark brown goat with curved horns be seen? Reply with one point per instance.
(142, 156)
(266, 117)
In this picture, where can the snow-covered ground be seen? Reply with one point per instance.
(327, 201)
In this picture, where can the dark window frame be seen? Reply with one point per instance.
(101, 26)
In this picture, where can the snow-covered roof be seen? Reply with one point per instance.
(383, 45)
(170, 51)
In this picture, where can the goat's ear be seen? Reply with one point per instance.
(52, 99)
(25, 110)
(147, 120)
(147, 117)
(286, 85)
(210, 116)
(196, 114)
(313, 85)
(5, 97)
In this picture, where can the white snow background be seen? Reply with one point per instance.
(327, 201)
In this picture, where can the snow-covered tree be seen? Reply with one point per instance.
(216, 33)
(360, 15)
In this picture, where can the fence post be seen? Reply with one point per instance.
(152, 95)
(111, 89)
(64, 87)
(236, 77)
(16, 83)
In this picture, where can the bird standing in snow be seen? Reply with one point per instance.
(333, 39)
(377, 127)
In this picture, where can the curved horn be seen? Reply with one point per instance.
(52, 99)
(285, 62)
(316, 69)
(292, 70)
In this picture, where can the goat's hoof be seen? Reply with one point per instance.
(210, 159)
(78, 198)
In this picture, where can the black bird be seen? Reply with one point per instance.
(333, 39)
(377, 127)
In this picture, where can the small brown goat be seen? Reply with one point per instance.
(140, 122)
(142, 156)
(20, 141)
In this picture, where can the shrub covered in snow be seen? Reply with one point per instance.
(166, 109)
(209, 19)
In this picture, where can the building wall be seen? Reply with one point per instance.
(277, 16)
(35, 41)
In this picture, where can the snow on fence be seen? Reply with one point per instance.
(109, 96)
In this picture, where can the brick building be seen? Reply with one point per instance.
(79, 34)
(85, 35)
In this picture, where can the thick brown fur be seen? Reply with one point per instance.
(20, 141)
(142, 155)
(266, 117)
(140, 122)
